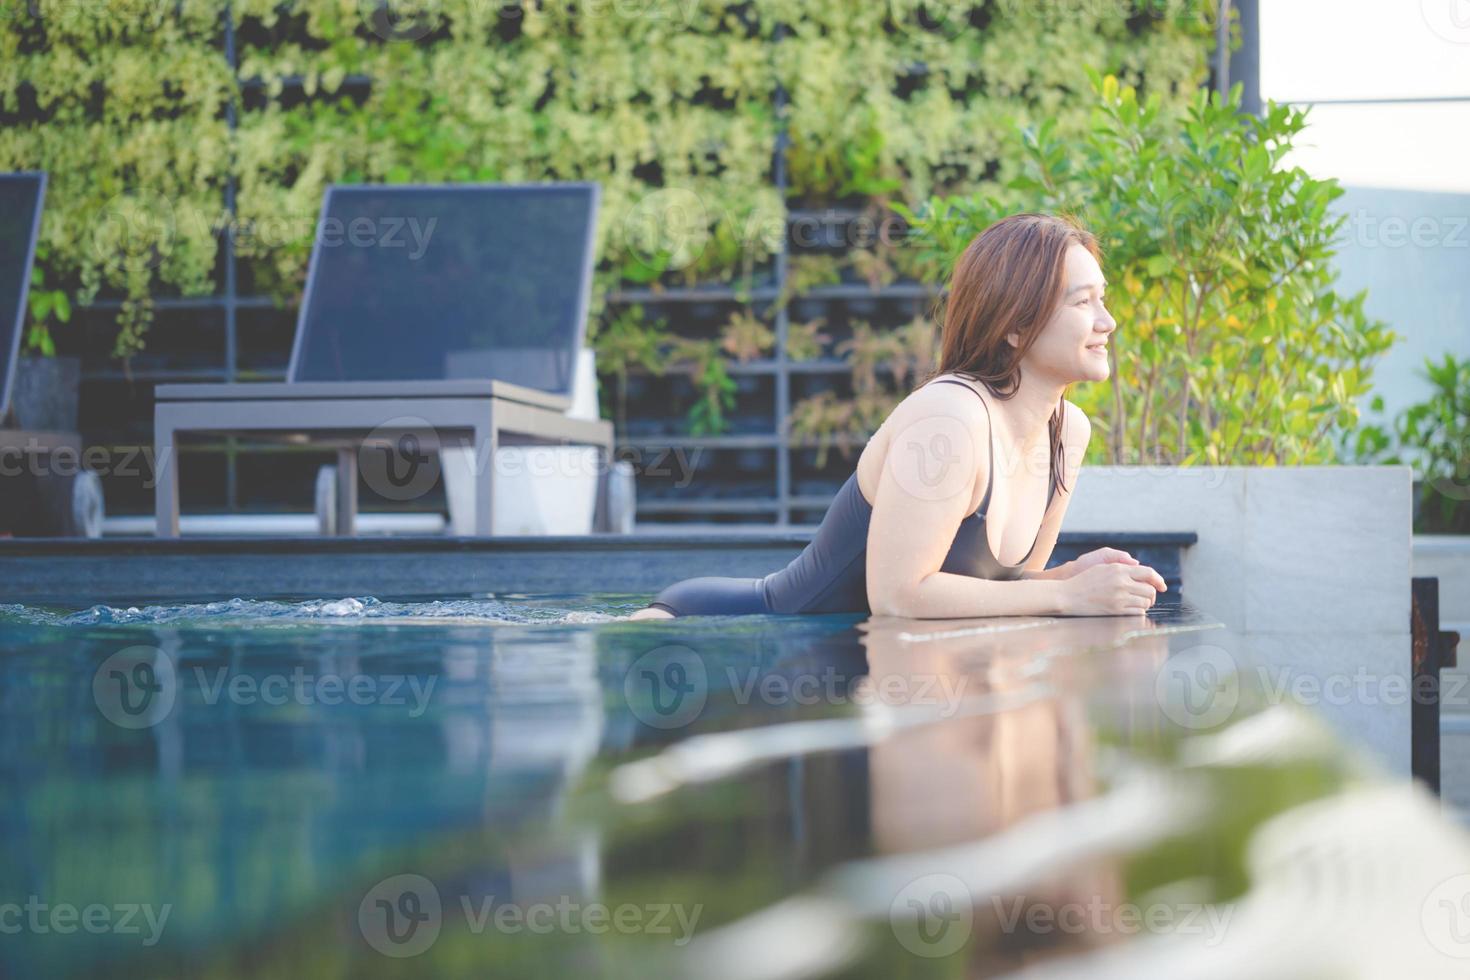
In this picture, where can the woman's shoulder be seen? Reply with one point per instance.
(946, 412)
(948, 400)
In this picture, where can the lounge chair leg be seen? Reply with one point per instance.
(602, 507)
(165, 478)
(457, 463)
(347, 492)
(487, 440)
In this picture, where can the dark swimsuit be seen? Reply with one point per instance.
(830, 574)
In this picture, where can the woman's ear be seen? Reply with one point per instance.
(1014, 339)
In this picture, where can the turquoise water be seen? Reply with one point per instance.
(536, 786)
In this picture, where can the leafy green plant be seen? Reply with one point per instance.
(827, 421)
(45, 304)
(624, 343)
(917, 262)
(869, 173)
(1432, 436)
(806, 341)
(711, 376)
(137, 176)
(746, 337)
(122, 105)
(867, 351)
(806, 272)
(1234, 345)
(847, 422)
(918, 349)
(824, 420)
(884, 364)
(875, 266)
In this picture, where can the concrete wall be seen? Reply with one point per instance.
(1447, 558)
(1411, 251)
(1309, 569)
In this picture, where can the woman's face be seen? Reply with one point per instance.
(1074, 344)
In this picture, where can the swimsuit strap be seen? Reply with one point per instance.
(990, 476)
(990, 473)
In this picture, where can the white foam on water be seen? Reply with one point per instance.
(348, 609)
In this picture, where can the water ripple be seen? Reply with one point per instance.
(314, 611)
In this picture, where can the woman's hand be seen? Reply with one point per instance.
(1099, 556)
(1111, 588)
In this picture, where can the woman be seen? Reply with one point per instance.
(948, 491)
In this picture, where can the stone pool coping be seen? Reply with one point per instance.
(69, 571)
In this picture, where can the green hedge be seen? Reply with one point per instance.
(661, 101)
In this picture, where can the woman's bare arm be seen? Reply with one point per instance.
(937, 456)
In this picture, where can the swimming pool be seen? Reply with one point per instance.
(535, 786)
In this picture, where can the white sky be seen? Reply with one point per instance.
(1346, 49)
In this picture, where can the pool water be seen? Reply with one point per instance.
(537, 786)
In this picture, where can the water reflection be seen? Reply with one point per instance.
(800, 795)
(982, 753)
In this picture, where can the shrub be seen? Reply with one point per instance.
(1434, 438)
(1234, 345)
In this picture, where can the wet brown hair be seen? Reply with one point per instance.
(1009, 280)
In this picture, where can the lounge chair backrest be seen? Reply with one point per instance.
(454, 281)
(21, 195)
